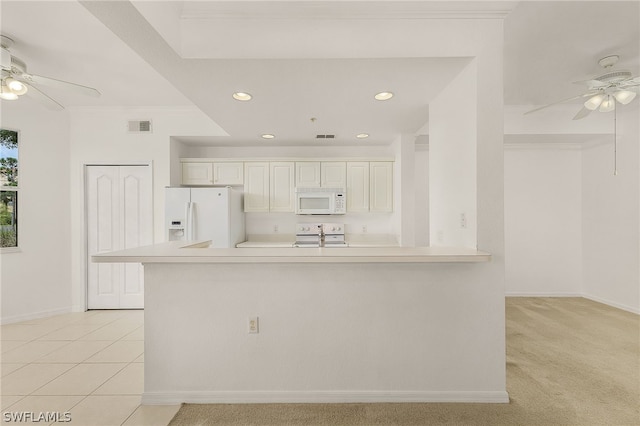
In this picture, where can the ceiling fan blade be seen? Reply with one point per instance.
(562, 101)
(52, 82)
(629, 84)
(582, 113)
(42, 97)
(591, 83)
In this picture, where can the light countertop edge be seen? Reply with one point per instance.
(198, 252)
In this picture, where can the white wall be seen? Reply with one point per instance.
(586, 238)
(36, 281)
(543, 225)
(610, 227)
(100, 136)
(453, 139)
(422, 194)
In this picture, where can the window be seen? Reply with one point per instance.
(8, 188)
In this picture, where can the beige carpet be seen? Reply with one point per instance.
(570, 361)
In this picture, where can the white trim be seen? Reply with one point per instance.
(5, 250)
(276, 159)
(613, 304)
(35, 315)
(585, 296)
(263, 397)
(527, 294)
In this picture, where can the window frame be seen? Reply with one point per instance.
(16, 189)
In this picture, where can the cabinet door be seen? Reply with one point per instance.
(228, 173)
(197, 174)
(358, 186)
(282, 195)
(333, 174)
(256, 187)
(381, 186)
(308, 174)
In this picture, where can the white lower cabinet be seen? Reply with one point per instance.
(256, 186)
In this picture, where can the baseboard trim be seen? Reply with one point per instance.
(613, 304)
(274, 397)
(527, 294)
(35, 315)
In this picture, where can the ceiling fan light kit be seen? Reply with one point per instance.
(15, 81)
(603, 92)
(6, 93)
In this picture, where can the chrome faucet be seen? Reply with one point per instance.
(321, 235)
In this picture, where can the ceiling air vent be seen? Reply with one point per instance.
(325, 136)
(139, 126)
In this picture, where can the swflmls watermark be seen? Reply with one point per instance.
(31, 416)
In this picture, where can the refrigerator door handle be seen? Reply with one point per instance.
(187, 219)
(192, 221)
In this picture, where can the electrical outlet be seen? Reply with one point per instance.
(463, 221)
(275, 229)
(364, 229)
(253, 325)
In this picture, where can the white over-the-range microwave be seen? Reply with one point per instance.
(321, 201)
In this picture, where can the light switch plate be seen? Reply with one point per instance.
(253, 325)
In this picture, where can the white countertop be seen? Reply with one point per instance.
(199, 252)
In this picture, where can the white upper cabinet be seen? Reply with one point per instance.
(381, 186)
(197, 173)
(228, 173)
(308, 174)
(256, 186)
(333, 174)
(357, 186)
(202, 173)
(282, 194)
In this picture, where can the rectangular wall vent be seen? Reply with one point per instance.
(325, 136)
(139, 126)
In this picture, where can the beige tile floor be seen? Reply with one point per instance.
(89, 364)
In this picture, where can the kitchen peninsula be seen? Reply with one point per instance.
(396, 324)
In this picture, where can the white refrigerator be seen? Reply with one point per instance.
(214, 214)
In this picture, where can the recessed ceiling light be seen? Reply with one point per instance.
(268, 136)
(362, 135)
(383, 96)
(242, 96)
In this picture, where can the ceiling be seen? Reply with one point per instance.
(322, 81)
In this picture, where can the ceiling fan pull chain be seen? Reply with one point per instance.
(615, 141)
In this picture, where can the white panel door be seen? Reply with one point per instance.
(358, 186)
(136, 226)
(282, 195)
(381, 186)
(334, 174)
(228, 173)
(119, 211)
(256, 186)
(103, 225)
(308, 174)
(197, 173)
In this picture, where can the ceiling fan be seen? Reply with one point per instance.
(604, 91)
(15, 81)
